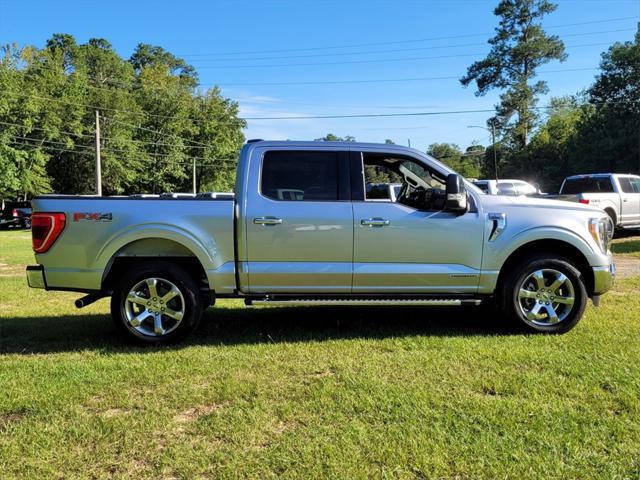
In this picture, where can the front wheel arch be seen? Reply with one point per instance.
(558, 247)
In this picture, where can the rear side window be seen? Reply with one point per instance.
(574, 186)
(301, 176)
(629, 184)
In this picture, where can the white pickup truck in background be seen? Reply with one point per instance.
(616, 193)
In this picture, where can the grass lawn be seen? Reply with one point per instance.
(314, 392)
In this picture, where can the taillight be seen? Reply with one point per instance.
(45, 229)
(14, 212)
(584, 201)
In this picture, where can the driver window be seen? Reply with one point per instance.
(402, 180)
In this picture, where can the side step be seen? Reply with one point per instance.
(414, 302)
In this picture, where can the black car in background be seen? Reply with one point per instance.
(15, 214)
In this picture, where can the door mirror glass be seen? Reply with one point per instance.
(456, 194)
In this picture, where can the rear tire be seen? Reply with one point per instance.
(156, 303)
(544, 293)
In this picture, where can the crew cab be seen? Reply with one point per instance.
(301, 230)
(617, 194)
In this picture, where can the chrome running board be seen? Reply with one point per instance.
(415, 302)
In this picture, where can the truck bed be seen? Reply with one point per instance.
(101, 228)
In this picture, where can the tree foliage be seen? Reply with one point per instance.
(154, 121)
(467, 165)
(519, 47)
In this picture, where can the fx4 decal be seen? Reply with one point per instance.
(94, 217)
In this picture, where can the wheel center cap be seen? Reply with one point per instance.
(545, 297)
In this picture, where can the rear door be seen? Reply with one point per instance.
(299, 223)
(630, 200)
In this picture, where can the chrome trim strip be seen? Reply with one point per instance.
(357, 302)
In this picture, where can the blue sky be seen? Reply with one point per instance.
(242, 44)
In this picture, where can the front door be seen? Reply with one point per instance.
(412, 245)
(299, 226)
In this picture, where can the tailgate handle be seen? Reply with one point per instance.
(267, 221)
(374, 222)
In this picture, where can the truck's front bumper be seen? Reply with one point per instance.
(603, 278)
(35, 276)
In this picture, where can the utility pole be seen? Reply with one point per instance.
(493, 141)
(194, 176)
(495, 154)
(409, 142)
(98, 161)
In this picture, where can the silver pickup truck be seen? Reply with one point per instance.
(615, 193)
(301, 230)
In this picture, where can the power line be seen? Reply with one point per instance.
(380, 60)
(46, 130)
(85, 135)
(50, 148)
(386, 80)
(201, 160)
(400, 42)
(434, 47)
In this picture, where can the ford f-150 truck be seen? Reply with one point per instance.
(617, 194)
(301, 230)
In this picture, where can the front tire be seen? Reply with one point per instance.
(545, 293)
(156, 303)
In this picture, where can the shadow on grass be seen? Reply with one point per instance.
(236, 326)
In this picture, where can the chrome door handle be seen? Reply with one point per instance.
(267, 221)
(374, 222)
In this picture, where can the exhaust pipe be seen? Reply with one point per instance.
(89, 299)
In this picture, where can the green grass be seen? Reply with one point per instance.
(315, 392)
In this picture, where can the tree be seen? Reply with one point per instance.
(610, 138)
(155, 122)
(388, 141)
(451, 155)
(552, 153)
(330, 137)
(519, 47)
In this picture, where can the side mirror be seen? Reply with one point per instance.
(456, 194)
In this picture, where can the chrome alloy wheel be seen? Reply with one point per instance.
(154, 307)
(546, 297)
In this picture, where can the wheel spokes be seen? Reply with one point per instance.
(538, 277)
(133, 297)
(558, 282)
(152, 284)
(552, 316)
(564, 300)
(534, 313)
(176, 315)
(138, 308)
(170, 295)
(546, 305)
(157, 324)
(141, 317)
(524, 293)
